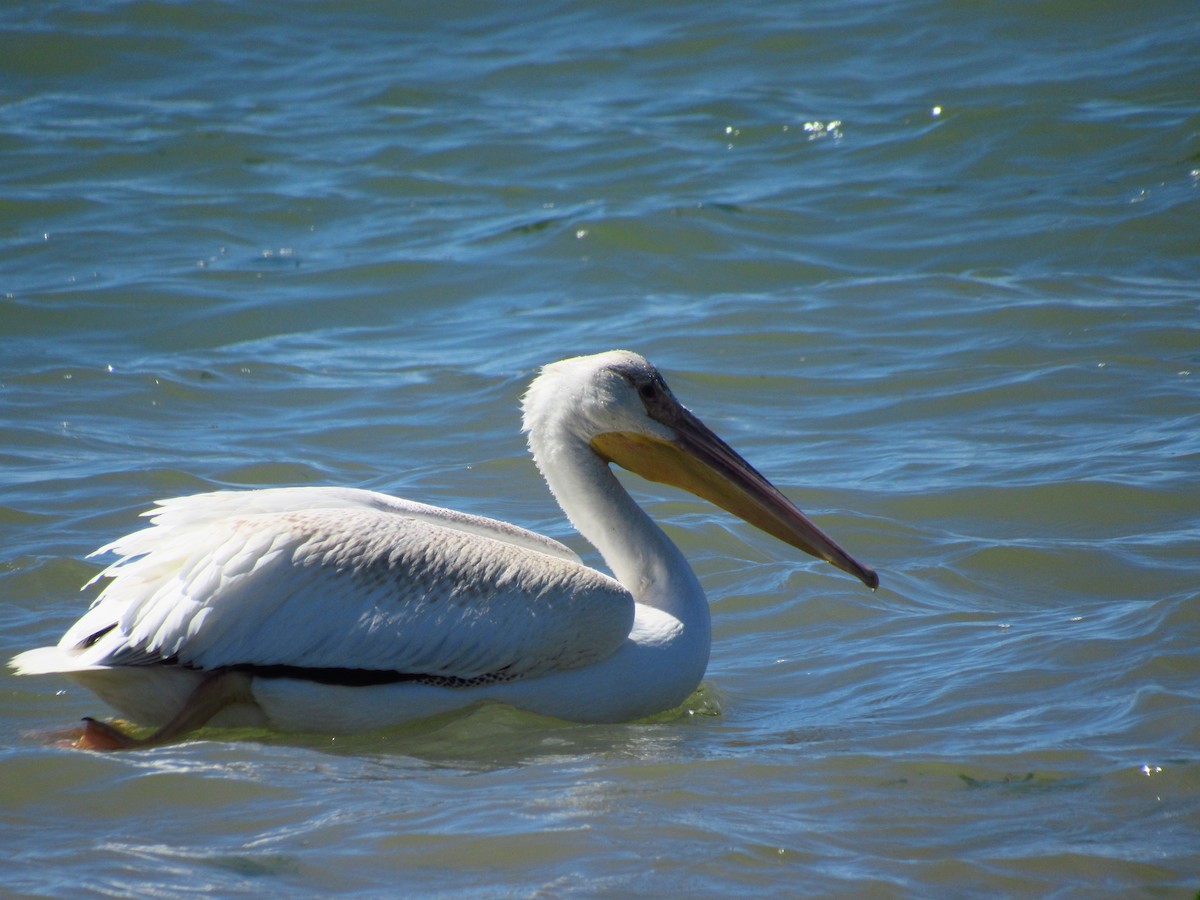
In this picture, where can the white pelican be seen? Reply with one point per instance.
(338, 610)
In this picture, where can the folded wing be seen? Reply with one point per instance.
(365, 583)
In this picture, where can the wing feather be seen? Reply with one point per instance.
(361, 585)
(197, 509)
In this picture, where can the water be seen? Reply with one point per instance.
(931, 266)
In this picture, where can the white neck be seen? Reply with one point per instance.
(637, 551)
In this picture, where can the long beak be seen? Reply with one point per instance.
(700, 462)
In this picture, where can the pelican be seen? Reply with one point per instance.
(340, 610)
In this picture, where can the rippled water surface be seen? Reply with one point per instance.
(933, 267)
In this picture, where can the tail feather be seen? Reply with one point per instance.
(42, 661)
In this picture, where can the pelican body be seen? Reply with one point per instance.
(340, 610)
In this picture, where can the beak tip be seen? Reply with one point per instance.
(851, 566)
(865, 574)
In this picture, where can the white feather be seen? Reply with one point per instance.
(344, 587)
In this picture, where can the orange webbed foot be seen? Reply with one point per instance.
(97, 735)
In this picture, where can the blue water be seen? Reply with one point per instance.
(931, 267)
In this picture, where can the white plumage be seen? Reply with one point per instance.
(336, 609)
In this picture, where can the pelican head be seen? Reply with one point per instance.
(619, 405)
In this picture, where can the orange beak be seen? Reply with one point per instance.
(700, 462)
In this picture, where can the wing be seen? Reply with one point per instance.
(199, 509)
(350, 585)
